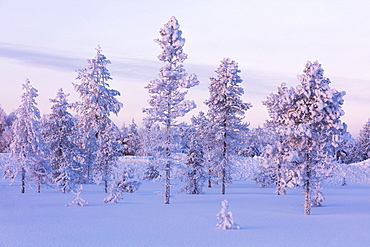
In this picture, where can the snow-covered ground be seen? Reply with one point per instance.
(142, 219)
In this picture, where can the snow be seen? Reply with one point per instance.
(141, 219)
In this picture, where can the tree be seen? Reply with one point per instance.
(226, 218)
(130, 139)
(28, 149)
(167, 93)
(205, 139)
(61, 134)
(6, 122)
(361, 149)
(194, 174)
(97, 102)
(307, 119)
(226, 109)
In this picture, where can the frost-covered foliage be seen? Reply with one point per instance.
(130, 141)
(361, 148)
(28, 150)
(6, 122)
(226, 218)
(167, 92)
(194, 176)
(60, 132)
(318, 197)
(355, 173)
(97, 102)
(78, 201)
(122, 181)
(310, 132)
(226, 111)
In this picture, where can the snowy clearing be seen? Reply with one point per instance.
(141, 219)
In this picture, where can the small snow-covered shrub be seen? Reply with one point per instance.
(226, 218)
(78, 201)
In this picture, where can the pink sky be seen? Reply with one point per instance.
(46, 41)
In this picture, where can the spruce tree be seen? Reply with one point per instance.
(97, 103)
(61, 134)
(226, 109)
(167, 92)
(28, 149)
(361, 149)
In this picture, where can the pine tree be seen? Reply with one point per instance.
(78, 201)
(361, 149)
(97, 102)
(28, 150)
(194, 174)
(61, 134)
(167, 93)
(130, 140)
(308, 121)
(226, 109)
(6, 122)
(226, 218)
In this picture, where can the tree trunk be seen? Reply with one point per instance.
(167, 190)
(38, 187)
(106, 185)
(307, 202)
(223, 186)
(209, 178)
(168, 167)
(23, 179)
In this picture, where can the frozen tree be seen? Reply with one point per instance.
(361, 148)
(121, 182)
(167, 92)
(202, 126)
(6, 134)
(28, 150)
(226, 109)
(61, 134)
(130, 140)
(3, 126)
(78, 201)
(97, 102)
(226, 218)
(318, 197)
(307, 119)
(194, 174)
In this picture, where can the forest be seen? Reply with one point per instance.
(304, 144)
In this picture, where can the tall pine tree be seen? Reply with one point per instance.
(97, 102)
(61, 134)
(167, 93)
(28, 149)
(226, 109)
(307, 119)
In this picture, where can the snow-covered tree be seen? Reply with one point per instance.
(78, 201)
(28, 150)
(226, 109)
(97, 102)
(130, 139)
(167, 93)
(61, 134)
(202, 127)
(195, 176)
(226, 218)
(310, 131)
(6, 122)
(361, 148)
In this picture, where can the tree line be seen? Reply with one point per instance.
(301, 142)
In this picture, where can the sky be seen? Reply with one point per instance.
(46, 41)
